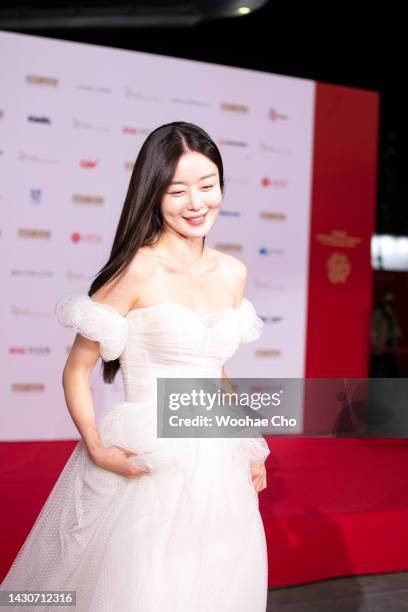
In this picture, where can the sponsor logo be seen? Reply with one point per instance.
(138, 95)
(29, 350)
(33, 157)
(33, 273)
(235, 108)
(34, 233)
(270, 251)
(271, 319)
(190, 102)
(230, 213)
(273, 216)
(88, 163)
(268, 148)
(26, 312)
(87, 125)
(39, 119)
(87, 199)
(35, 196)
(268, 352)
(275, 115)
(228, 247)
(129, 129)
(99, 89)
(279, 183)
(263, 284)
(28, 387)
(76, 238)
(233, 143)
(36, 79)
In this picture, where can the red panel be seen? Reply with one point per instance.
(344, 200)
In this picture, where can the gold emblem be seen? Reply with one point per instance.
(338, 267)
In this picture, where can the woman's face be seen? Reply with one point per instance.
(194, 192)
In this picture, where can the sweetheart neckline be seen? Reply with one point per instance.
(197, 316)
(196, 313)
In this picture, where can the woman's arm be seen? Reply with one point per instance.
(226, 383)
(258, 473)
(77, 390)
(78, 397)
(82, 359)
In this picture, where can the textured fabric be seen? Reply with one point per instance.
(251, 325)
(94, 321)
(186, 536)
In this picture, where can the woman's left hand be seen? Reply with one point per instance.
(258, 475)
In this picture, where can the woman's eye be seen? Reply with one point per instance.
(179, 192)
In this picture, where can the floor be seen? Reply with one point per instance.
(369, 593)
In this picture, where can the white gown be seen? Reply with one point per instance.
(185, 537)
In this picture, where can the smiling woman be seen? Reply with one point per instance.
(138, 520)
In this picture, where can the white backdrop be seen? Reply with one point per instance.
(73, 117)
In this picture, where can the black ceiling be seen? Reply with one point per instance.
(334, 45)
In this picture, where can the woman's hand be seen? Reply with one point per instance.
(258, 475)
(116, 459)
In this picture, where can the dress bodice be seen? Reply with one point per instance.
(167, 340)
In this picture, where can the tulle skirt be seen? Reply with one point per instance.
(186, 536)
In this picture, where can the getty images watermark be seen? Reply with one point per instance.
(306, 407)
(211, 401)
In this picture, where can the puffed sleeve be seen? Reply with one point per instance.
(251, 324)
(94, 321)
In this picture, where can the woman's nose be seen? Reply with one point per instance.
(195, 202)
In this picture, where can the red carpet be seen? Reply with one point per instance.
(333, 507)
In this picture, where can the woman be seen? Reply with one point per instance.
(138, 522)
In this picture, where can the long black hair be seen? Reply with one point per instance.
(141, 220)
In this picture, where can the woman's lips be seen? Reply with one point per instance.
(198, 220)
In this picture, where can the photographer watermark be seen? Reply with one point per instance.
(307, 407)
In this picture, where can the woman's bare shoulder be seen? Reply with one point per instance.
(233, 272)
(230, 264)
(123, 292)
(143, 263)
